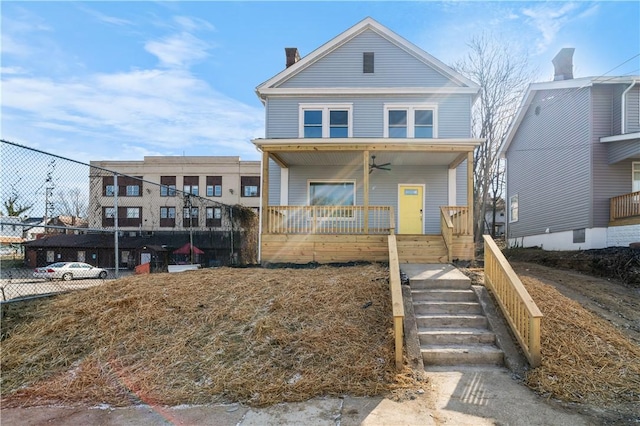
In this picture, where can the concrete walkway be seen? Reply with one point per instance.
(464, 396)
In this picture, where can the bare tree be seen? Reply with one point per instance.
(72, 203)
(503, 74)
(13, 207)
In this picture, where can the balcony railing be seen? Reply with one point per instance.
(329, 220)
(624, 206)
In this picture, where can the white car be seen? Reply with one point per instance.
(68, 271)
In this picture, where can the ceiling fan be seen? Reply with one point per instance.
(373, 165)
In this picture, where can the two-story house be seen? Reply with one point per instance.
(573, 162)
(368, 135)
(151, 193)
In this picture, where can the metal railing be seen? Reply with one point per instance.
(624, 206)
(518, 307)
(329, 220)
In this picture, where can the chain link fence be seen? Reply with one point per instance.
(57, 210)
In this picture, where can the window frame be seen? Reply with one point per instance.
(515, 197)
(326, 110)
(189, 219)
(168, 221)
(333, 181)
(109, 190)
(249, 182)
(410, 111)
(130, 192)
(635, 168)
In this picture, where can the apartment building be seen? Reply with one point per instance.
(164, 193)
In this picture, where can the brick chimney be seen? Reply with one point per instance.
(563, 63)
(292, 55)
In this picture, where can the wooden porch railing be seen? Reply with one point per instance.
(329, 220)
(453, 222)
(624, 206)
(518, 307)
(396, 299)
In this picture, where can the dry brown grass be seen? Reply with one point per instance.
(258, 336)
(584, 358)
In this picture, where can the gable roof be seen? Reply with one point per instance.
(362, 26)
(574, 83)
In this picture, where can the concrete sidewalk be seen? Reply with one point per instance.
(459, 396)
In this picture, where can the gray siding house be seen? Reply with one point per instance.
(368, 135)
(573, 164)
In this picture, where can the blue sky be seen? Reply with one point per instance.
(121, 80)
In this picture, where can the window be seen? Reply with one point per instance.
(133, 191)
(167, 217)
(579, 236)
(109, 212)
(168, 186)
(133, 213)
(190, 219)
(635, 186)
(109, 190)
(326, 121)
(250, 186)
(191, 185)
(413, 121)
(214, 216)
(214, 186)
(367, 62)
(333, 194)
(513, 208)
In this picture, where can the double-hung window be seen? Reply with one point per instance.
(410, 121)
(335, 194)
(191, 185)
(133, 190)
(167, 216)
(326, 121)
(168, 186)
(214, 186)
(513, 208)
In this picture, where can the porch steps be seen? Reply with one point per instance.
(421, 249)
(452, 327)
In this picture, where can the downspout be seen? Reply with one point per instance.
(623, 112)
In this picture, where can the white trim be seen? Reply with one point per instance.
(410, 108)
(348, 91)
(284, 186)
(623, 112)
(309, 181)
(344, 37)
(367, 141)
(634, 164)
(618, 138)
(326, 109)
(424, 205)
(452, 186)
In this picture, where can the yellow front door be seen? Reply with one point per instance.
(410, 209)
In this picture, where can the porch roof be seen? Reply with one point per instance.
(348, 151)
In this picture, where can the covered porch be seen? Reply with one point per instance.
(300, 225)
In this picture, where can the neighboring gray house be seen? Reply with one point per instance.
(367, 135)
(573, 162)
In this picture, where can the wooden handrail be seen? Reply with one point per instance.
(623, 206)
(446, 228)
(518, 307)
(396, 299)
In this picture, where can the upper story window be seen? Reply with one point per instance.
(167, 186)
(109, 190)
(410, 121)
(326, 121)
(367, 62)
(133, 190)
(214, 186)
(250, 186)
(191, 185)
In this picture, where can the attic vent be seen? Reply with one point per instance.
(367, 62)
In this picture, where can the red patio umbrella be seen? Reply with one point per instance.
(186, 249)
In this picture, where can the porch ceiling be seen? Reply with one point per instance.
(354, 158)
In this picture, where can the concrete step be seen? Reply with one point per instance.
(438, 307)
(430, 276)
(450, 321)
(457, 336)
(462, 355)
(444, 295)
(441, 284)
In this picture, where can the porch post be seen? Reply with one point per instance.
(365, 187)
(264, 203)
(470, 191)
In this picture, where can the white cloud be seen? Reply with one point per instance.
(106, 18)
(178, 50)
(192, 24)
(549, 20)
